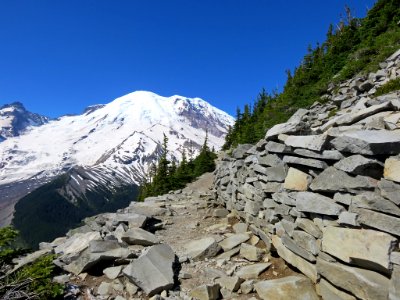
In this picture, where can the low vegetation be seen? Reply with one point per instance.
(390, 86)
(351, 47)
(168, 176)
(33, 281)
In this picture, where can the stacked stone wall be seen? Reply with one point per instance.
(323, 189)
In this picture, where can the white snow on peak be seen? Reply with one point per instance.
(124, 134)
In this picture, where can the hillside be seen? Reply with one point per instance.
(353, 46)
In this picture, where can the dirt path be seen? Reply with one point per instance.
(193, 219)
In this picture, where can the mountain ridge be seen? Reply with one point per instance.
(113, 145)
(15, 120)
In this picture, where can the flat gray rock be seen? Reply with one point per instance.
(353, 117)
(359, 165)
(334, 180)
(139, 236)
(203, 248)
(241, 150)
(305, 241)
(369, 142)
(325, 155)
(240, 227)
(394, 287)
(252, 271)
(112, 272)
(373, 201)
(390, 190)
(377, 220)
(87, 259)
(308, 162)
(153, 271)
(362, 283)
(309, 226)
(291, 287)
(311, 142)
(234, 241)
(316, 203)
(131, 219)
(293, 125)
(274, 147)
(250, 252)
(329, 292)
(206, 292)
(295, 248)
(355, 246)
(231, 283)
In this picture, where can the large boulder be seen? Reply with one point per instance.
(291, 287)
(153, 271)
(97, 252)
(76, 243)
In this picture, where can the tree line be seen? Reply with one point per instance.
(167, 175)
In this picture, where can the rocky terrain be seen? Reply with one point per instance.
(309, 212)
(176, 246)
(323, 189)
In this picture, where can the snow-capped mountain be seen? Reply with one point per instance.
(123, 137)
(14, 120)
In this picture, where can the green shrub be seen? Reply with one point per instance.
(390, 86)
(33, 281)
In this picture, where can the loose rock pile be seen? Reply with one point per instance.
(323, 189)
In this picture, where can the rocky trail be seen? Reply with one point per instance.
(198, 251)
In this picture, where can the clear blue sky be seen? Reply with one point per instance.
(57, 57)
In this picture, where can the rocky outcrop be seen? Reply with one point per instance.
(332, 211)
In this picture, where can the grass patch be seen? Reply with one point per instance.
(390, 86)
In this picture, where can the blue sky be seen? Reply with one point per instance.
(57, 57)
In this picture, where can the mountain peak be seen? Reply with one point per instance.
(124, 136)
(15, 119)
